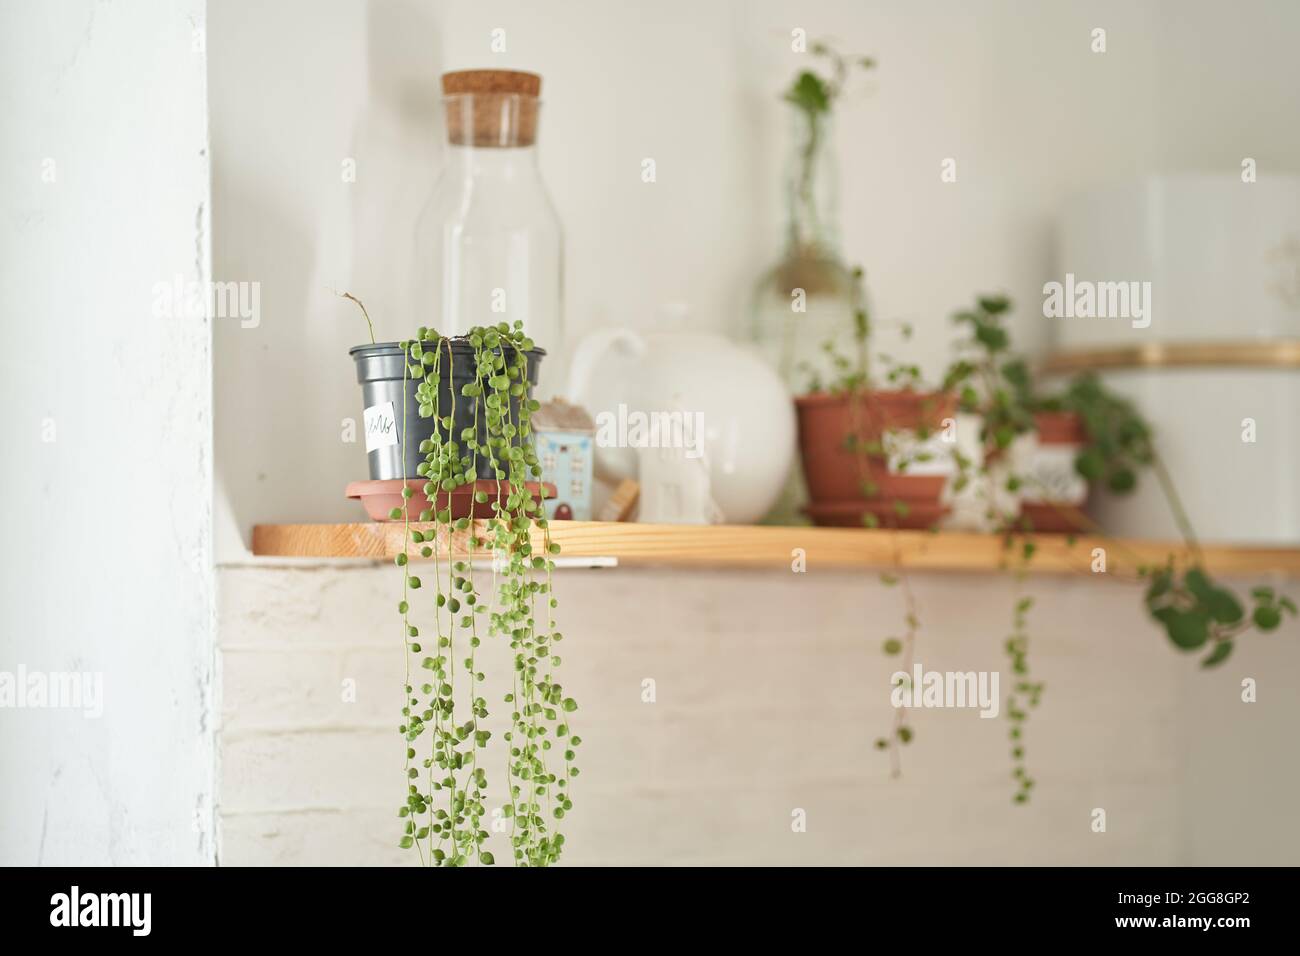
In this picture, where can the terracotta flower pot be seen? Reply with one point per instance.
(1053, 494)
(845, 483)
(379, 498)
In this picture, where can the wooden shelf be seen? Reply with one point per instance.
(774, 547)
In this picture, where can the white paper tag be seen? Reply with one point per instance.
(381, 426)
(1049, 476)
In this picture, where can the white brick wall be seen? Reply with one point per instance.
(770, 690)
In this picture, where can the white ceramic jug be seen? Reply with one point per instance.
(701, 406)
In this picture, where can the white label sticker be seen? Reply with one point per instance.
(381, 426)
(1050, 476)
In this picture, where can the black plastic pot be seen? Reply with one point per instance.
(382, 375)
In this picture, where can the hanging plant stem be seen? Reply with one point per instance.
(449, 804)
(1025, 693)
(901, 732)
(1175, 505)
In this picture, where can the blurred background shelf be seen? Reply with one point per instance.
(778, 547)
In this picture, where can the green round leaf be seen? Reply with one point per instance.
(1187, 629)
(1267, 617)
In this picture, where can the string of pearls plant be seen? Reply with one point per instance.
(445, 812)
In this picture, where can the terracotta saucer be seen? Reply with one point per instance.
(379, 498)
(1054, 519)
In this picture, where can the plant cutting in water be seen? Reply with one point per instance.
(444, 709)
(807, 295)
(814, 96)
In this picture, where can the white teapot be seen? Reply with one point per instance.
(706, 426)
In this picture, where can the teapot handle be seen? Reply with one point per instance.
(589, 353)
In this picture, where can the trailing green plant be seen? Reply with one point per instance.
(853, 379)
(1026, 693)
(445, 709)
(901, 732)
(1197, 612)
(1194, 610)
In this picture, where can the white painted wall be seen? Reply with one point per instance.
(107, 488)
(770, 689)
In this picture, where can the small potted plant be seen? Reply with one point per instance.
(466, 486)
(398, 399)
(870, 454)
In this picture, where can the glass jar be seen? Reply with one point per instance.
(489, 246)
(807, 299)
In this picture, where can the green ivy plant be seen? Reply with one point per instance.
(443, 711)
(1195, 611)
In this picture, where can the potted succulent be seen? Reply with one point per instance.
(399, 427)
(445, 809)
(870, 455)
(473, 496)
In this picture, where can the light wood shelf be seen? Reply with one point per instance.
(774, 547)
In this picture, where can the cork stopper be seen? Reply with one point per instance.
(491, 108)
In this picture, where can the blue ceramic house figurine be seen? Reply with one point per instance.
(564, 437)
